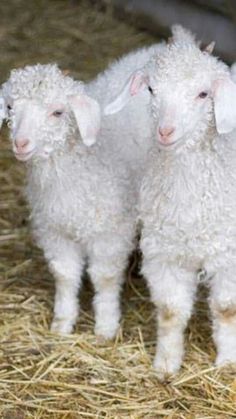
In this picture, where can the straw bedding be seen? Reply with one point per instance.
(45, 376)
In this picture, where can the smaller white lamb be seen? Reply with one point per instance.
(188, 196)
(82, 205)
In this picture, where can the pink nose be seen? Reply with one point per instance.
(21, 144)
(166, 132)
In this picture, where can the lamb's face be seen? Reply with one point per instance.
(191, 92)
(38, 129)
(46, 110)
(182, 106)
(184, 86)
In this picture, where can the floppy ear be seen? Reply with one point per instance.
(233, 72)
(225, 105)
(135, 84)
(88, 117)
(3, 113)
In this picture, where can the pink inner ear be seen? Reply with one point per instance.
(137, 82)
(217, 84)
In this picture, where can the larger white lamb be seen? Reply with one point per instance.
(188, 197)
(83, 199)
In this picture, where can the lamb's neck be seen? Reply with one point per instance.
(43, 172)
(204, 144)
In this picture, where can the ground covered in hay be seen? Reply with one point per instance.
(45, 376)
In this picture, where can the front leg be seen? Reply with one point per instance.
(108, 260)
(66, 264)
(223, 308)
(172, 290)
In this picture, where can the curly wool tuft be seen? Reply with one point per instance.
(39, 82)
(192, 62)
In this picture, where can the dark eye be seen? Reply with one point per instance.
(9, 107)
(150, 90)
(57, 113)
(202, 95)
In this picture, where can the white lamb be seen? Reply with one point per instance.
(81, 203)
(83, 199)
(188, 197)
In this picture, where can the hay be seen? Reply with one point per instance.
(45, 376)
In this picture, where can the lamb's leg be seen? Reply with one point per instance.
(66, 264)
(172, 291)
(108, 260)
(223, 308)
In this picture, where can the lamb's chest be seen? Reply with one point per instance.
(192, 208)
(67, 202)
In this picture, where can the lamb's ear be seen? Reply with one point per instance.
(3, 113)
(225, 105)
(135, 84)
(233, 72)
(88, 117)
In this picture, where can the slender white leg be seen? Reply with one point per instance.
(108, 260)
(172, 291)
(223, 309)
(66, 264)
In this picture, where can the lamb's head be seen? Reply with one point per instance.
(191, 93)
(45, 109)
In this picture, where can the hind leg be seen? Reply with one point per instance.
(223, 308)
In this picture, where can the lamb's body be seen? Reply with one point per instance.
(80, 194)
(82, 209)
(189, 225)
(188, 206)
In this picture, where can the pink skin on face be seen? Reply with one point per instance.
(165, 135)
(166, 129)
